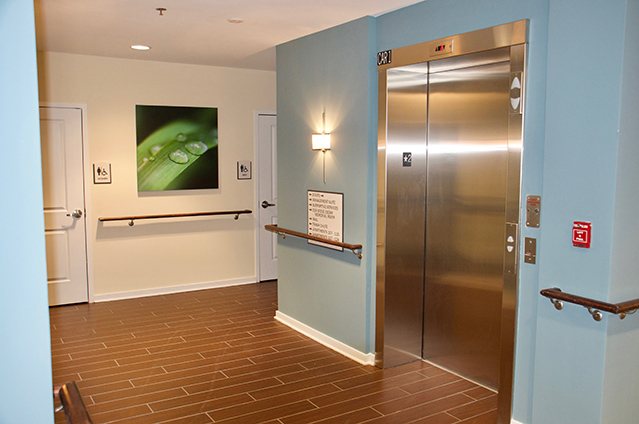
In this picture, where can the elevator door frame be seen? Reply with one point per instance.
(514, 36)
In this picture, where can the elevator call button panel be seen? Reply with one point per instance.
(511, 249)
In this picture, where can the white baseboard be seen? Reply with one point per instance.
(515, 422)
(170, 290)
(336, 345)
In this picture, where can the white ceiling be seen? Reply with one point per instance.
(192, 31)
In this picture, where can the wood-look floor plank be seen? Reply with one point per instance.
(305, 383)
(423, 411)
(359, 416)
(218, 391)
(175, 413)
(118, 414)
(258, 406)
(486, 418)
(378, 374)
(308, 373)
(470, 410)
(424, 397)
(358, 391)
(268, 414)
(142, 399)
(212, 380)
(479, 392)
(344, 407)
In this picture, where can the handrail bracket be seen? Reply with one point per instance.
(559, 305)
(596, 314)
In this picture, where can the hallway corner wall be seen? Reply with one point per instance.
(25, 356)
(621, 378)
(585, 56)
(331, 71)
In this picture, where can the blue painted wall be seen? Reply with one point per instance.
(581, 89)
(25, 356)
(621, 374)
(585, 57)
(330, 71)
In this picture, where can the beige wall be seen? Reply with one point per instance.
(169, 254)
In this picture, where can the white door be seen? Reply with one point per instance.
(267, 195)
(63, 187)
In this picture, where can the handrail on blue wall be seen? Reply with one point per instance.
(355, 248)
(557, 297)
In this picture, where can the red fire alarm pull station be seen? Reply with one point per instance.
(581, 234)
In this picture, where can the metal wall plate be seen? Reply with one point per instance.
(530, 250)
(533, 210)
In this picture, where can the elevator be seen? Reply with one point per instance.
(449, 163)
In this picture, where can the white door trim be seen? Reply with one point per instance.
(87, 175)
(257, 189)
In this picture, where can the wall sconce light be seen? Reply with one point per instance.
(322, 141)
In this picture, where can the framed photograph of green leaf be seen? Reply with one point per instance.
(177, 148)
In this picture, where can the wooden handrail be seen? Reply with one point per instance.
(72, 403)
(173, 215)
(283, 231)
(557, 297)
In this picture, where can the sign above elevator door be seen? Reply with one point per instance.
(385, 57)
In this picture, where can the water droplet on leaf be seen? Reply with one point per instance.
(196, 147)
(155, 149)
(180, 137)
(179, 156)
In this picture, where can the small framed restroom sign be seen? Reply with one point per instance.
(101, 173)
(326, 217)
(244, 170)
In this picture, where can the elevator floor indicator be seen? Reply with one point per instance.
(407, 159)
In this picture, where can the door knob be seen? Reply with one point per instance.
(266, 204)
(77, 213)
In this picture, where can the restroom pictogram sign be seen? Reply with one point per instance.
(581, 234)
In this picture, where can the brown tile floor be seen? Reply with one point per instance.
(219, 356)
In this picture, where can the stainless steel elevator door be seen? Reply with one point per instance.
(406, 182)
(468, 112)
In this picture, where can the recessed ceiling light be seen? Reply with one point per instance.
(235, 20)
(140, 47)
